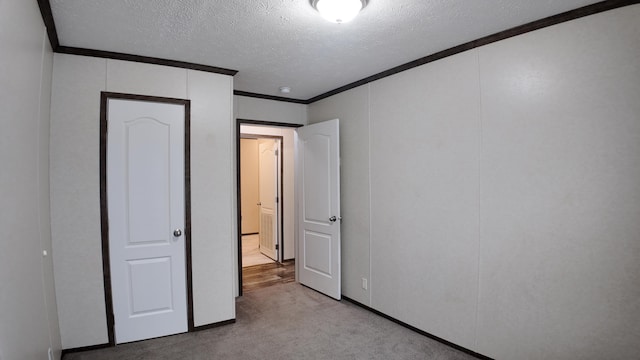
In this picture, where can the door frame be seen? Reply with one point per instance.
(104, 219)
(239, 123)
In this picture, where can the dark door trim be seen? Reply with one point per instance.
(240, 122)
(104, 219)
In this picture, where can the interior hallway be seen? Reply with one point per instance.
(251, 254)
(260, 271)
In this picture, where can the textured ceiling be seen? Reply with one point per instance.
(277, 43)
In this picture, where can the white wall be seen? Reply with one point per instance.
(504, 203)
(75, 196)
(424, 196)
(28, 316)
(560, 236)
(249, 185)
(269, 110)
(351, 107)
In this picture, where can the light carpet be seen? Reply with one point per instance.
(289, 321)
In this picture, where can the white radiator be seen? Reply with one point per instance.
(266, 230)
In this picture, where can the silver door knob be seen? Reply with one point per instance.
(177, 232)
(333, 218)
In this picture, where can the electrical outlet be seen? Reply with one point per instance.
(364, 283)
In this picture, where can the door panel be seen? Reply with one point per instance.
(147, 294)
(145, 198)
(317, 256)
(317, 189)
(318, 179)
(147, 201)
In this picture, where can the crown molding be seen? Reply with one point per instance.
(47, 16)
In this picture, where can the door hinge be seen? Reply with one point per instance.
(277, 199)
(277, 246)
(276, 152)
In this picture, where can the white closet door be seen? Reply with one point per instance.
(146, 207)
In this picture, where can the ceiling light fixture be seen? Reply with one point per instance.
(285, 89)
(339, 11)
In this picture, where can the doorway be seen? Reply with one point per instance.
(145, 211)
(261, 191)
(279, 265)
(313, 218)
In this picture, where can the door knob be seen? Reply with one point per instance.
(333, 218)
(259, 204)
(177, 232)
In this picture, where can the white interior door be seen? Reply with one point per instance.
(146, 209)
(318, 182)
(269, 185)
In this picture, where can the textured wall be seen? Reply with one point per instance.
(560, 202)
(268, 110)
(504, 198)
(77, 84)
(28, 314)
(424, 197)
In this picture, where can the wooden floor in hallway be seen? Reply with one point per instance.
(261, 276)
